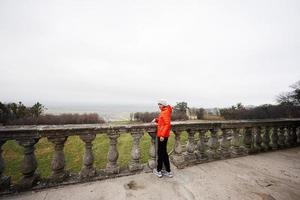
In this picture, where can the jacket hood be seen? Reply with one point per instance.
(168, 108)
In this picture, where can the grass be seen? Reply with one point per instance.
(74, 151)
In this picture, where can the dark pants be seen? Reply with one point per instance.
(163, 157)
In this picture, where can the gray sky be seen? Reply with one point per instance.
(208, 53)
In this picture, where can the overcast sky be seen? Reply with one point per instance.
(208, 53)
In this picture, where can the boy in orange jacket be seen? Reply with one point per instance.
(163, 132)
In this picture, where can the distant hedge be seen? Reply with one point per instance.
(266, 111)
(19, 114)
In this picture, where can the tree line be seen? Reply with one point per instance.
(288, 106)
(19, 114)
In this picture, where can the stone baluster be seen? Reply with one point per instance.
(4, 180)
(298, 135)
(248, 140)
(274, 138)
(113, 154)
(225, 144)
(213, 145)
(200, 152)
(191, 142)
(257, 139)
(293, 131)
(177, 143)
(190, 155)
(135, 164)
(288, 137)
(236, 143)
(88, 169)
(266, 139)
(29, 164)
(58, 162)
(177, 157)
(281, 137)
(152, 151)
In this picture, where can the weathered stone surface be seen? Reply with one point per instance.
(274, 138)
(113, 154)
(200, 152)
(135, 164)
(257, 140)
(266, 139)
(213, 145)
(88, 169)
(281, 138)
(189, 155)
(177, 157)
(152, 151)
(58, 162)
(225, 144)
(29, 164)
(235, 144)
(273, 175)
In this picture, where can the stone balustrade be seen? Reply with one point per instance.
(206, 141)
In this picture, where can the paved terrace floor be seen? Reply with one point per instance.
(266, 176)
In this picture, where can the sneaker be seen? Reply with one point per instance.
(157, 173)
(168, 174)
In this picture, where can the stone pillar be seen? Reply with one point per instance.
(236, 144)
(248, 140)
(266, 139)
(88, 169)
(225, 143)
(288, 137)
(177, 157)
(281, 137)
(200, 152)
(152, 151)
(113, 154)
(29, 164)
(189, 155)
(298, 135)
(274, 138)
(58, 162)
(293, 130)
(213, 145)
(257, 140)
(135, 164)
(4, 180)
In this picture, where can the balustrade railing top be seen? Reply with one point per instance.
(10, 132)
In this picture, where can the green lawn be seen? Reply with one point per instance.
(74, 151)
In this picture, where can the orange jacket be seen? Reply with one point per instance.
(164, 122)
